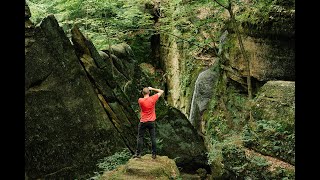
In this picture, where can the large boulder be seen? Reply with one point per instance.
(276, 101)
(273, 131)
(67, 129)
(122, 51)
(181, 141)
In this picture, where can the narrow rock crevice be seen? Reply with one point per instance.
(36, 85)
(104, 103)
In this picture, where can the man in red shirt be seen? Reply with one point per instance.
(147, 119)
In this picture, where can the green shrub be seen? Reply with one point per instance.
(111, 162)
(271, 138)
(238, 166)
(282, 173)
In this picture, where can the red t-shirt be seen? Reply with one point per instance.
(147, 106)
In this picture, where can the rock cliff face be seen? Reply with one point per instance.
(269, 41)
(269, 44)
(270, 59)
(67, 128)
(106, 79)
(174, 68)
(274, 112)
(81, 105)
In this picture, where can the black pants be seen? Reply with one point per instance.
(151, 126)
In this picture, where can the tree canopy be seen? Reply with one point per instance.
(103, 21)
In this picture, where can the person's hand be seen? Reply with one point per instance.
(150, 88)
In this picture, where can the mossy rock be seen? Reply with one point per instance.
(273, 132)
(122, 51)
(67, 129)
(143, 168)
(270, 59)
(269, 20)
(181, 141)
(109, 83)
(275, 101)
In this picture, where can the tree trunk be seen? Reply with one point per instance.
(245, 57)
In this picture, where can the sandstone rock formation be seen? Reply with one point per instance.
(270, 59)
(187, 146)
(181, 141)
(145, 168)
(276, 100)
(108, 88)
(274, 113)
(66, 126)
(81, 106)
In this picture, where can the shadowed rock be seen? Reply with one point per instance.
(109, 89)
(274, 114)
(67, 129)
(270, 59)
(180, 140)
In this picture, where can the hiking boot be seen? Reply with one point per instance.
(154, 156)
(137, 156)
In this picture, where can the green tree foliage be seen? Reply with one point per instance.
(187, 20)
(111, 162)
(196, 26)
(271, 138)
(104, 21)
(238, 164)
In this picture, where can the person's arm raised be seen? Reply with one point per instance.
(159, 91)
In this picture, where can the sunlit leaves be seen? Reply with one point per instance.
(105, 21)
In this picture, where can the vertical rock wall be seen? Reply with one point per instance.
(66, 127)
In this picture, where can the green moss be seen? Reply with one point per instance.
(227, 110)
(273, 132)
(180, 140)
(268, 19)
(145, 168)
